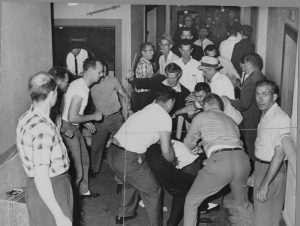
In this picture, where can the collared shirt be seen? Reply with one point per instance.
(273, 126)
(105, 95)
(177, 88)
(216, 130)
(203, 43)
(144, 69)
(191, 75)
(39, 143)
(226, 47)
(221, 85)
(163, 63)
(142, 128)
(70, 60)
(228, 68)
(76, 88)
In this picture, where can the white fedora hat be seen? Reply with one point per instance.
(209, 62)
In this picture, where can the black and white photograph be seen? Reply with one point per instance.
(159, 113)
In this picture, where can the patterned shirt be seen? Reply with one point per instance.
(39, 143)
(144, 69)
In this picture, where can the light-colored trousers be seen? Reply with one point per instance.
(227, 167)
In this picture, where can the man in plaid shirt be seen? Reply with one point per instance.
(49, 196)
(144, 69)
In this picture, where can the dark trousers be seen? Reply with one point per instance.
(109, 125)
(176, 181)
(138, 180)
(39, 213)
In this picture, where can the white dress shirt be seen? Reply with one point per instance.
(142, 128)
(191, 75)
(226, 47)
(83, 54)
(203, 43)
(222, 86)
(273, 126)
(163, 63)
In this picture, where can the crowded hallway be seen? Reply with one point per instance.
(148, 115)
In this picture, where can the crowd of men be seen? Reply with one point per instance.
(237, 134)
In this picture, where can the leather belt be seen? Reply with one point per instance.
(262, 161)
(226, 149)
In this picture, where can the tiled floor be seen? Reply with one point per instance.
(101, 211)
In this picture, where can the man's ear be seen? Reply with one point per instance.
(275, 96)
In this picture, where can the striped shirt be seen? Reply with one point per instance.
(144, 69)
(39, 143)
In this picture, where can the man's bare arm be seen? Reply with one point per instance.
(166, 146)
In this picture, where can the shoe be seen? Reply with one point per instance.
(93, 174)
(210, 207)
(122, 220)
(90, 196)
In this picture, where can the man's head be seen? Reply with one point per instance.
(234, 29)
(203, 32)
(75, 51)
(165, 97)
(61, 76)
(180, 19)
(212, 101)
(186, 48)
(42, 88)
(166, 43)
(186, 33)
(201, 90)
(147, 50)
(266, 94)
(173, 72)
(246, 31)
(211, 50)
(188, 21)
(93, 69)
(209, 66)
(252, 62)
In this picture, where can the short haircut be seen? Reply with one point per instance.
(144, 45)
(91, 63)
(173, 68)
(274, 87)
(185, 42)
(213, 99)
(40, 85)
(186, 29)
(202, 86)
(210, 48)
(255, 60)
(164, 94)
(59, 72)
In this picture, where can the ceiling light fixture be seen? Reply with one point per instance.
(72, 4)
(102, 10)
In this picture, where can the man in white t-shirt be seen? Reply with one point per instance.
(75, 60)
(191, 75)
(142, 129)
(219, 84)
(74, 103)
(272, 144)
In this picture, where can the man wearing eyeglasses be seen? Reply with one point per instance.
(75, 100)
(144, 69)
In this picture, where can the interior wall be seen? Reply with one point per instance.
(277, 18)
(26, 48)
(63, 11)
(138, 29)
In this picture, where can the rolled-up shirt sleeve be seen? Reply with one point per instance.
(43, 140)
(193, 134)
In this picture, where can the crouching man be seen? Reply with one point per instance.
(227, 162)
